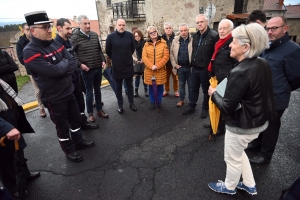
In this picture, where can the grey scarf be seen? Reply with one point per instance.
(10, 92)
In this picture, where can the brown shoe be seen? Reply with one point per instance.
(43, 113)
(91, 117)
(102, 114)
(180, 103)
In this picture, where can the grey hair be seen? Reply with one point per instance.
(229, 21)
(167, 24)
(201, 15)
(82, 17)
(248, 34)
(184, 24)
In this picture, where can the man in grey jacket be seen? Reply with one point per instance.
(90, 57)
(180, 56)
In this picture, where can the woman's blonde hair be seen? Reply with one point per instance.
(149, 28)
(254, 35)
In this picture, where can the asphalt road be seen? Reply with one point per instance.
(149, 155)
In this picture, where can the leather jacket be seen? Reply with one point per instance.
(250, 84)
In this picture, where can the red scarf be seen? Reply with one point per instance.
(218, 45)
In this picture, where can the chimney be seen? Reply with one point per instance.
(75, 18)
(280, 3)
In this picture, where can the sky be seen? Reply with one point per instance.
(14, 10)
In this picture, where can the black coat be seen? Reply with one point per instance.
(7, 70)
(250, 84)
(169, 43)
(21, 44)
(206, 49)
(120, 47)
(51, 66)
(284, 58)
(14, 117)
(223, 63)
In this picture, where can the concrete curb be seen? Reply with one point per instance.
(34, 104)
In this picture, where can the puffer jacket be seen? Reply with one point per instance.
(155, 55)
(250, 84)
(87, 49)
(7, 69)
(51, 66)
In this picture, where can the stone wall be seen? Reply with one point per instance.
(176, 12)
(294, 27)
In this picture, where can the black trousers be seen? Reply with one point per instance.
(65, 114)
(266, 141)
(7, 171)
(118, 91)
(80, 100)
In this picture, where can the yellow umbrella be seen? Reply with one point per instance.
(214, 112)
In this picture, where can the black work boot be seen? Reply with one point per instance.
(136, 93)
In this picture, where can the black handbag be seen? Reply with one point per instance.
(138, 68)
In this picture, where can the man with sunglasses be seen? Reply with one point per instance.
(52, 66)
(22, 42)
(283, 56)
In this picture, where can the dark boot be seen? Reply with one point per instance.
(136, 93)
(146, 93)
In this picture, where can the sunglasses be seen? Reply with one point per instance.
(46, 27)
(153, 32)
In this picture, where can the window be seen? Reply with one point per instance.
(108, 2)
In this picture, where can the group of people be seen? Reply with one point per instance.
(261, 72)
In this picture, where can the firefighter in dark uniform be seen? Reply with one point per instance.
(64, 33)
(52, 66)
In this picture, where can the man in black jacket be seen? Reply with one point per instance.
(51, 66)
(119, 48)
(203, 47)
(284, 58)
(64, 33)
(22, 42)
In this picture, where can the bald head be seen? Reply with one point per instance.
(225, 28)
(276, 27)
(120, 25)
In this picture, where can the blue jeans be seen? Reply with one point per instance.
(129, 88)
(199, 76)
(184, 76)
(92, 81)
(137, 82)
(160, 91)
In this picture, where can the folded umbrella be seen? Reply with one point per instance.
(214, 112)
(155, 92)
(20, 161)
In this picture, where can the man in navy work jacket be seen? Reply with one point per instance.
(52, 66)
(284, 58)
(119, 48)
(64, 33)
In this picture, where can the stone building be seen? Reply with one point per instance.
(293, 16)
(143, 13)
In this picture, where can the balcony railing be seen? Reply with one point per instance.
(133, 9)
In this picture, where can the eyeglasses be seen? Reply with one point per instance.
(136, 36)
(46, 27)
(247, 34)
(27, 29)
(153, 32)
(274, 28)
